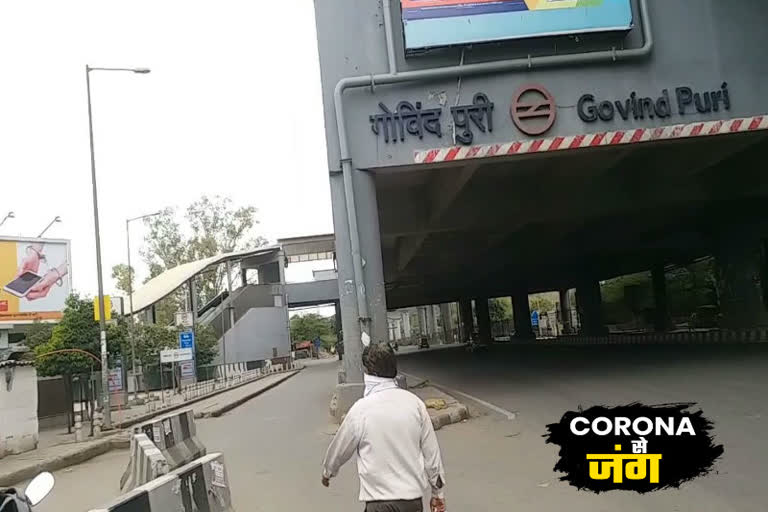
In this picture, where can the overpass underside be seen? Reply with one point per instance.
(488, 227)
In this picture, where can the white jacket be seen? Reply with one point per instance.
(392, 434)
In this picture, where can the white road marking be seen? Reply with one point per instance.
(508, 414)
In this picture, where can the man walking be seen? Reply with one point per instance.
(391, 432)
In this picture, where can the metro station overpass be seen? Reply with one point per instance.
(250, 316)
(465, 172)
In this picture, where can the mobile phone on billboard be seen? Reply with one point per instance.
(22, 284)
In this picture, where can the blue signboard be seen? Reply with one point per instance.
(434, 23)
(187, 339)
(535, 319)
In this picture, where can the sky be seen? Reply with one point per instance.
(232, 107)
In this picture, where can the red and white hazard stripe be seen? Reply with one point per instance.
(678, 131)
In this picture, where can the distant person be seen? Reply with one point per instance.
(391, 432)
(340, 349)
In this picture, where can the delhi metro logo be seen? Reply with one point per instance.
(533, 109)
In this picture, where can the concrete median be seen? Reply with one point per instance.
(201, 486)
(175, 443)
(147, 462)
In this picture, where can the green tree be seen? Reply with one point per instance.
(150, 339)
(541, 303)
(77, 330)
(38, 333)
(211, 226)
(310, 326)
(206, 344)
(500, 309)
(120, 273)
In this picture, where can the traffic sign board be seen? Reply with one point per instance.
(187, 339)
(184, 319)
(175, 355)
(535, 319)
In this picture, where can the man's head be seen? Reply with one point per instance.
(379, 360)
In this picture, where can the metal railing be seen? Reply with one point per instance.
(236, 378)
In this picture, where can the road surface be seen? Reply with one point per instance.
(728, 382)
(274, 443)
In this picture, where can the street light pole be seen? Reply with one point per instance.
(130, 297)
(102, 315)
(54, 221)
(9, 215)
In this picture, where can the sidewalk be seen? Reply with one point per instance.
(50, 457)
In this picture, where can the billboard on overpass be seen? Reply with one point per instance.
(35, 279)
(435, 23)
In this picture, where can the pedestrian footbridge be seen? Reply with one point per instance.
(250, 313)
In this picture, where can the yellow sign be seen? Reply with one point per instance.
(107, 308)
(34, 279)
(606, 466)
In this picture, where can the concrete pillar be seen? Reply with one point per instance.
(337, 318)
(423, 329)
(406, 319)
(521, 315)
(565, 311)
(467, 322)
(589, 304)
(244, 276)
(370, 249)
(445, 320)
(742, 271)
(661, 307)
(353, 347)
(483, 319)
(432, 322)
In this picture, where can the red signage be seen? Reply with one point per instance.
(533, 109)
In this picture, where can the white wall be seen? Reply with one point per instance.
(255, 334)
(18, 411)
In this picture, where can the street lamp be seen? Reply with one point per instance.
(130, 294)
(54, 221)
(102, 316)
(9, 215)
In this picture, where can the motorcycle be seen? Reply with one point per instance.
(394, 346)
(474, 345)
(13, 501)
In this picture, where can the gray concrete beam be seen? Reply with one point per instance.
(467, 319)
(370, 250)
(661, 308)
(565, 311)
(353, 348)
(521, 312)
(589, 304)
(445, 321)
(483, 319)
(443, 190)
(742, 268)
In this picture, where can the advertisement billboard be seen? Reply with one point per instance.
(435, 23)
(35, 279)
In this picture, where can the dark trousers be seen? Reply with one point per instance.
(394, 506)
